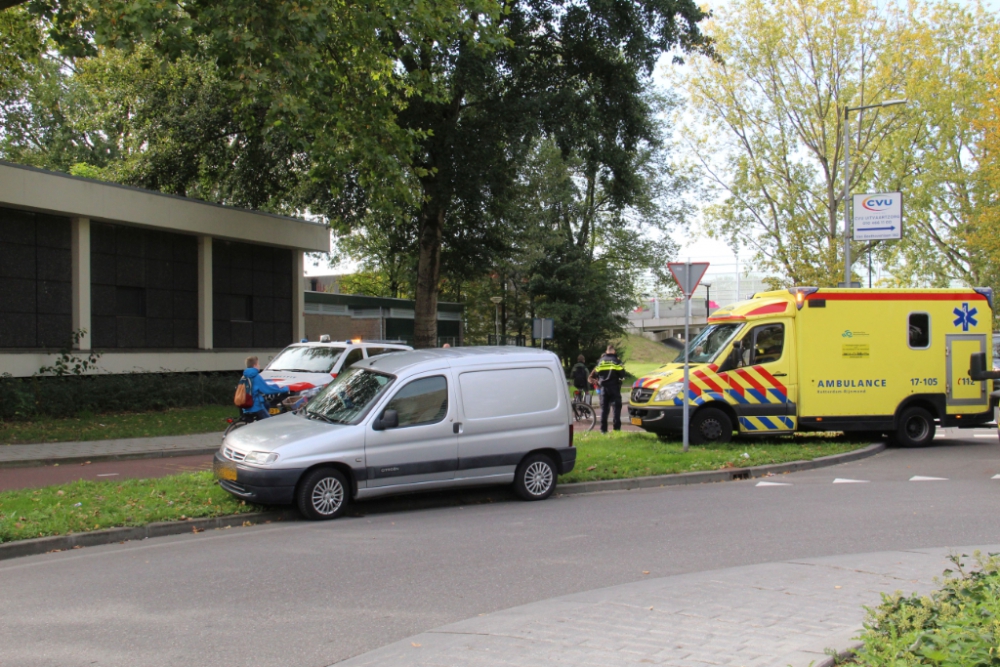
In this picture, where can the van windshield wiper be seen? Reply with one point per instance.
(321, 416)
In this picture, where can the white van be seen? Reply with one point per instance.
(302, 366)
(409, 421)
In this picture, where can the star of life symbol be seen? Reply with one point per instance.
(965, 317)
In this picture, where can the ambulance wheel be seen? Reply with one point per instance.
(711, 425)
(916, 428)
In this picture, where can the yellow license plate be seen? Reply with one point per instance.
(275, 411)
(636, 421)
(226, 472)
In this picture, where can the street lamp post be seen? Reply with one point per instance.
(497, 300)
(708, 298)
(847, 181)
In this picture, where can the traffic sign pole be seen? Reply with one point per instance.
(687, 367)
(687, 275)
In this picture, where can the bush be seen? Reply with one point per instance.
(70, 395)
(957, 625)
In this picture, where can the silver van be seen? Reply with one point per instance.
(409, 421)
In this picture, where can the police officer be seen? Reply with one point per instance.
(609, 373)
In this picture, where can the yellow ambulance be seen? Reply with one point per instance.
(817, 359)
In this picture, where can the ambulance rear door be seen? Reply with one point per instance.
(963, 394)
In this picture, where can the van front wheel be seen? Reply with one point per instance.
(711, 425)
(324, 494)
(916, 428)
(535, 478)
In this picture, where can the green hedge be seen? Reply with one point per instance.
(68, 396)
(956, 626)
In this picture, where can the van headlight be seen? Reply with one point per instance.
(669, 392)
(261, 458)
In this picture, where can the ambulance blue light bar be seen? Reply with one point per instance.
(800, 294)
(987, 292)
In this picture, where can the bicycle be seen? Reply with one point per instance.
(274, 404)
(583, 414)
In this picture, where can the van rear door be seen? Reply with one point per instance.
(961, 389)
(505, 414)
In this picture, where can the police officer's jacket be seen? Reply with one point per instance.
(610, 372)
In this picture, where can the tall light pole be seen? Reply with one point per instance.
(847, 182)
(708, 298)
(497, 300)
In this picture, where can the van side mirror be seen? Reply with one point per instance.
(389, 419)
(977, 368)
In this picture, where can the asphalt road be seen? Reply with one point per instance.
(312, 594)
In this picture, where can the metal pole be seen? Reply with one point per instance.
(737, 278)
(687, 344)
(847, 183)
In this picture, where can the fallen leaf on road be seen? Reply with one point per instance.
(837, 586)
(651, 609)
(591, 468)
(60, 492)
(645, 571)
(414, 644)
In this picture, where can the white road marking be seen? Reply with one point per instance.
(840, 480)
(108, 474)
(995, 477)
(940, 435)
(773, 484)
(918, 478)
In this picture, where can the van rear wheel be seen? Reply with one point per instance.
(916, 428)
(535, 478)
(324, 494)
(711, 425)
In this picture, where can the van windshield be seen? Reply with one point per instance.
(306, 359)
(346, 399)
(712, 340)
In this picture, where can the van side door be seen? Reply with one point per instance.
(423, 447)
(763, 382)
(506, 413)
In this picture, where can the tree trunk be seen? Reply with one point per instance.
(428, 274)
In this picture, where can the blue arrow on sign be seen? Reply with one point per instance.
(877, 229)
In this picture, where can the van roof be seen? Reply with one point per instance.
(456, 357)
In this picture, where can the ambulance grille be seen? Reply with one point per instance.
(640, 395)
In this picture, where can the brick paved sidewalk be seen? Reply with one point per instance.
(104, 450)
(774, 614)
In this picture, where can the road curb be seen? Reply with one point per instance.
(727, 475)
(41, 545)
(156, 454)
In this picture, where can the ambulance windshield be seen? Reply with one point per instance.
(712, 340)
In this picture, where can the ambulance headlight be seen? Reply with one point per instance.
(669, 392)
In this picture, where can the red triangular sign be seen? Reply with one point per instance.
(688, 275)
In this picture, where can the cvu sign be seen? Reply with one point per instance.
(878, 217)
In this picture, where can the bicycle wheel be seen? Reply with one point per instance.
(232, 427)
(584, 416)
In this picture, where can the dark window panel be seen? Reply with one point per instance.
(17, 330)
(240, 308)
(159, 304)
(54, 298)
(263, 334)
(185, 248)
(52, 231)
(263, 284)
(159, 333)
(220, 279)
(242, 334)
(220, 253)
(130, 302)
(283, 261)
(263, 309)
(17, 296)
(102, 238)
(220, 306)
(17, 261)
(54, 264)
(263, 259)
(186, 277)
(55, 331)
(241, 282)
(129, 241)
(159, 246)
(130, 271)
(17, 226)
(283, 334)
(131, 331)
(283, 310)
(283, 285)
(102, 300)
(185, 305)
(186, 333)
(241, 256)
(103, 269)
(159, 274)
(104, 331)
(221, 334)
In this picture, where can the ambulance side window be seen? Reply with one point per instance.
(769, 341)
(920, 330)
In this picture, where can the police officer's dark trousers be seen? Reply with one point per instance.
(611, 399)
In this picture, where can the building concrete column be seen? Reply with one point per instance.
(80, 262)
(298, 295)
(205, 307)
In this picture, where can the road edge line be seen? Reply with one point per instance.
(98, 458)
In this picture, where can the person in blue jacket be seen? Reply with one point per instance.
(260, 387)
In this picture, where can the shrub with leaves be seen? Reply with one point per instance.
(957, 625)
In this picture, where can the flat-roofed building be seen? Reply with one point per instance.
(158, 282)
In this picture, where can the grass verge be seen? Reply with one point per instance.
(84, 506)
(631, 454)
(958, 624)
(177, 421)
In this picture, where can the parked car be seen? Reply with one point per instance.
(427, 419)
(302, 366)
